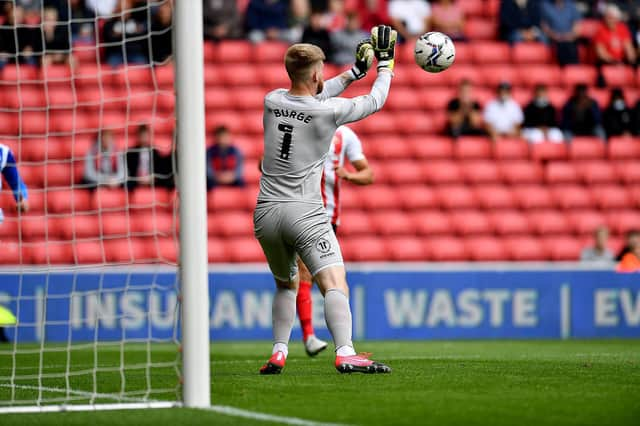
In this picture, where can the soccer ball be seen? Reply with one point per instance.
(434, 52)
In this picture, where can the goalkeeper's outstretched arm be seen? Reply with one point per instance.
(364, 58)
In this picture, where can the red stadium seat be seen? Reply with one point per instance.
(79, 226)
(443, 249)
(525, 249)
(611, 197)
(65, 201)
(355, 222)
(109, 199)
(586, 148)
(153, 224)
(574, 74)
(494, 197)
(628, 171)
(634, 194)
(37, 227)
(240, 75)
(485, 249)
(571, 196)
(471, 223)
(405, 99)
(273, 76)
(441, 172)
(231, 224)
(432, 222)
(432, 147)
(490, 52)
(228, 198)
(623, 221)
(270, 52)
(520, 172)
(164, 76)
(245, 249)
(472, 147)
(88, 252)
(480, 172)
(531, 53)
(493, 75)
(360, 249)
(9, 229)
(596, 172)
(130, 250)
(480, 29)
(217, 251)
(624, 148)
(235, 51)
(432, 99)
(381, 123)
(563, 248)
(248, 98)
(561, 172)
(548, 222)
(533, 196)
(152, 197)
(406, 249)
(456, 197)
(114, 224)
(509, 222)
(473, 7)
(13, 253)
(392, 223)
(417, 197)
(50, 253)
(132, 75)
(388, 147)
(584, 222)
(511, 149)
(618, 76)
(456, 74)
(531, 75)
(546, 151)
(379, 197)
(404, 172)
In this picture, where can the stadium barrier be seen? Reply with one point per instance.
(388, 303)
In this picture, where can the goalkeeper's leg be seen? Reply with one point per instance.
(304, 304)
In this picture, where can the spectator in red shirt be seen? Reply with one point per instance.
(613, 42)
(372, 12)
(224, 161)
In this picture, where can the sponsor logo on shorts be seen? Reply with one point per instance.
(323, 245)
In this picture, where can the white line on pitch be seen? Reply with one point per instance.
(88, 395)
(255, 415)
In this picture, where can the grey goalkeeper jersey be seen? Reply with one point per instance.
(298, 131)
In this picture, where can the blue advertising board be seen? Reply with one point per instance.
(408, 304)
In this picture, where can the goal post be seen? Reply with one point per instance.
(193, 204)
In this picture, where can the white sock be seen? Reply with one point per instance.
(283, 316)
(337, 314)
(345, 351)
(280, 347)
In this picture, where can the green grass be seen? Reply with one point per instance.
(434, 383)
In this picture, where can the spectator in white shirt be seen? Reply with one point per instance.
(503, 116)
(599, 253)
(410, 17)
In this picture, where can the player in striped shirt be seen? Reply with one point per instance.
(345, 146)
(9, 170)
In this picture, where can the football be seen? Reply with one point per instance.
(434, 52)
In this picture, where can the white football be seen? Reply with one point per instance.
(434, 52)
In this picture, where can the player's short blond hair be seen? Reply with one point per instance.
(300, 58)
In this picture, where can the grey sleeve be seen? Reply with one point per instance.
(335, 86)
(350, 110)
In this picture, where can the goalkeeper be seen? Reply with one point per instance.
(9, 170)
(290, 218)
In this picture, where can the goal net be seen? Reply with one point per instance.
(89, 284)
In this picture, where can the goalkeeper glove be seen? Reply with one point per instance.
(364, 59)
(383, 38)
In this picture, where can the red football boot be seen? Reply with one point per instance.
(360, 363)
(275, 364)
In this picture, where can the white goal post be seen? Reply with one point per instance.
(111, 301)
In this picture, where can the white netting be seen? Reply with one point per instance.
(86, 108)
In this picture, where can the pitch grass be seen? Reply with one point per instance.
(433, 383)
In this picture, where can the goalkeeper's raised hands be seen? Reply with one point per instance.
(364, 59)
(383, 39)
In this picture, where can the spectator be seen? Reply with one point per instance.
(410, 17)
(161, 38)
(221, 19)
(633, 239)
(372, 12)
(335, 16)
(503, 116)
(581, 115)
(448, 17)
(560, 19)
(630, 261)
(102, 164)
(17, 41)
(56, 38)
(104, 8)
(464, 116)
(143, 160)
(126, 37)
(344, 42)
(520, 21)
(224, 161)
(540, 119)
(618, 116)
(268, 20)
(83, 21)
(599, 253)
(612, 41)
(317, 33)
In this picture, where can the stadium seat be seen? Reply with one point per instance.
(151, 198)
(442, 171)
(445, 249)
(233, 51)
(470, 222)
(548, 222)
(628, 171)
(485, 249)
(79, 226)
(571, 196)
(490, 52)
(560, 172)
(406, 249)
(355, 222)
(162, 250)
(228, 198)
(164, 75)
(37, 227)
(270, 52)
(10, 227)
(88, 252)
(431, 222)
(524, 249)
(50, 252)
(574, 74)
(480, 29)
(584, 222)
(546, 151)
(114, 224)
(473, 7)
(365, 248)
(531, 53)
(388, 147)
(417, 197)
(618, 76)
(153, 224)
(273, 76)
(248, 98)
(379, 197)
(586, 148)
(404, 98)
(240, 75)
(129, 250)
(217, 251)
(431, 147)
(14, 253)
(392, 223)
(493, 75)
(611, 197)
(520, 172)
(623, 221)
(634, 194)
(480, 172)
(511, 149)
(349, 197)
(562, 248)
(532, 74)
(231, 224)
(532, 196)
(596, 172)
(494, 197)
(382, 123)
(404, 172)
(131, 75)
(455, 197)
(64, 200)
(472, 147)
(623, 148)
(245, 249)
(454, 75)
(509, 222)
(108, 199)
(433, 99)
(33, 123)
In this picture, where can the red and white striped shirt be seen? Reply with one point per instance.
(345, 144)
